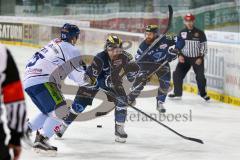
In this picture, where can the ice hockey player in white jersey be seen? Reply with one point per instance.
(107, 67)
(43, 74)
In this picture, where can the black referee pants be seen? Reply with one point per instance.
(181, 71)
(4, 151)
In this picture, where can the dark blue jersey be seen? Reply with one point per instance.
(103, 67)
(159, 53)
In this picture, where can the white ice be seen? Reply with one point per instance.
(217, 124)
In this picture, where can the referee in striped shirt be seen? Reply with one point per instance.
(11, 94)
(192, 55)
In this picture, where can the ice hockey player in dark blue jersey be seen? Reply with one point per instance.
(107, 68)
(150, 62)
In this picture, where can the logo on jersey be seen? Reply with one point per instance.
(94, 72)
(157, 55)
(184, 35)
(163, 46)
(34, 71)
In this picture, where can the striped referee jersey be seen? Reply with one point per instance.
(12, 94)
(195, 42)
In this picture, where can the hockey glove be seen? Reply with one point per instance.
(131, 76)
(91, 81)
(129, 56)
(131, 67)
(173, 52)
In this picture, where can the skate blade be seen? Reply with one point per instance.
(49, 153)
(120, 140)
(207, 101)
(175, 98)
(161, 111)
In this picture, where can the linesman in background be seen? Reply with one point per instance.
(11, 93)
(192, 55)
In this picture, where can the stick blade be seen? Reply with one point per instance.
(195, 140)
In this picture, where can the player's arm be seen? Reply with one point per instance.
(93, 71)
(13, 98)
(78, 71)
(131, 67)
(176, 44)
(78, 66)
(139, 51)
(172, 40)
(180, 43)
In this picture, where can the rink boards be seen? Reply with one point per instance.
(222, 66)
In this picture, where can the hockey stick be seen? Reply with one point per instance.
(170, 10)
(98, 114)
(121, 101)
(146, 52)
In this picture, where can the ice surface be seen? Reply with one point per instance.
(217, 124)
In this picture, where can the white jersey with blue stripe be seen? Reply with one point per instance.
(53, 63)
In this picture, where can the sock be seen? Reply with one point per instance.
(37, 122)
(48, 127)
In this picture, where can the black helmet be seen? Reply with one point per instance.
(113, 41)
(69, 31)
(152, 28)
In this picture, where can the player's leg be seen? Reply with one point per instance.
(178, 76)
(164, 77)
(83, 98)
(37, 122)
(120, 118)
(201, 80)
(47, 98)
(120, 113)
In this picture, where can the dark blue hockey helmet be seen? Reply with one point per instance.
(68, 31)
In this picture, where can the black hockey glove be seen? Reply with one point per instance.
(173, 53)
(131, 67)
(131, 76)
(129, 56)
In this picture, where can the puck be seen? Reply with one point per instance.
(99, 126)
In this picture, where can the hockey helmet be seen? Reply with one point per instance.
(68, 31)
(113, 41)
(189, 17)
(152, 28)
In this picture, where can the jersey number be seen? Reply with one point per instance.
(36, 57)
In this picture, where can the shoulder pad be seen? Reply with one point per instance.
(128, 55)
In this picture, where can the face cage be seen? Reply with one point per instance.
(113, 46)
